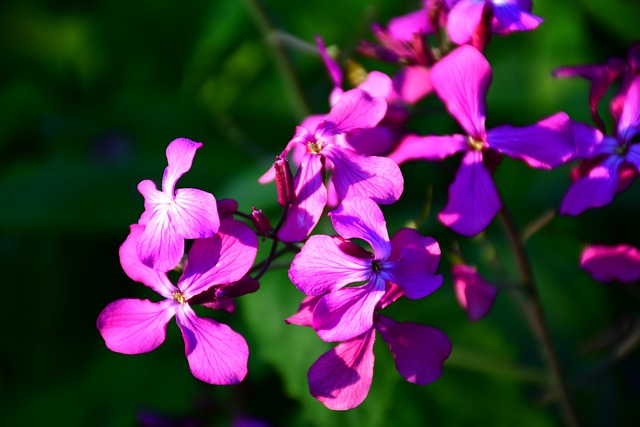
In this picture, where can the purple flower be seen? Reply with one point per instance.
(609, 263)
(216, 354)
(327, 265)
(172, 216)
(461, 80)
(613, 154)
(473, 293)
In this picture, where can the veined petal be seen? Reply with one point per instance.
(633, 156)
(629, 124)
(347, 312)
(512, 17)
(160, 246)
(322, 267)
(216, 353)
(594, 190)
(136, 270)
(180, 155)
(311, 198)
(219, 260)
(361, 218)
(411, 237)
(463, 18)
(419, 351)
(473, 293)
(378, 178)
(461, 79)
(473, 198)
(413, 147)
(133, 326)
(412, 83)
(546, 144)
(194, 214)
(304, 315)
(609, 263)
(356, 109)
(341, 378)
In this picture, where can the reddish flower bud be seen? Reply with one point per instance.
(284, 181)
(260, 222)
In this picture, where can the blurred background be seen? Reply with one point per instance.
(91, 93)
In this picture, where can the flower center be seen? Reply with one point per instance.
(622, 149)
(179, 297)
(475, 144)
(314, 147)
(376, 266)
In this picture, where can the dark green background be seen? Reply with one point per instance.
(91, 93)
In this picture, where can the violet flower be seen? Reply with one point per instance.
(609, 263)
(328, 265)
(171, 215)
(216, 354)
(461, 80)
(473, 293)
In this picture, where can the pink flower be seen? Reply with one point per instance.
(474, 294)
(216, 354)
(171, 215)
(609, 263)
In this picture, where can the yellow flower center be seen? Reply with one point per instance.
(475, 144)
(315, 147)
(179, 297)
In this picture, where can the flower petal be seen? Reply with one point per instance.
(304, 315)
(419, 351)
(609, 263)
(377, 84)
(473, 198)
(411, 236)
(413, 147)
(375, 141)
(341, 378)
(412, 83)
(629, 124)
(194, 214)
(404, 27)
(180, 155)
(474, 294)
(356, 109)
(594, 190)
(461, 79)
(216, 353)
(160, 246)
(335, 73)
(133, 326)
(463, 19)
(512, 17)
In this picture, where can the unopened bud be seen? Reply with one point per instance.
(284, 181)
(260, 222)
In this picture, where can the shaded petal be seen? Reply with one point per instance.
(404, 27)
(594, 190)
(180, 155)
(412, 83)
(629, 124)
(322, 267)
(419, 351)
(311, 198)
(473, 293)
(136, 270)
(216, 353)
(461, 79)
(133, 326)
(377, 84)
(219, 260)
(633, 156)
(160, 246)
(414, 147)
(512, 17)
(410, 236)
(341, 378)
(546, 144)
(361, 218)
(587, 139)
(194, 214)
(473, 198)
(609, 263)
(356, 109)
(370, 142)
(378, 178)
(304, 315)
(347, 312)
(462, 20)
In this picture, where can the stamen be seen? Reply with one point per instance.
(179, 297)
(315, 147)
(475, 144)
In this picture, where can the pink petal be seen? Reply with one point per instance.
(609, 263)
(322, 267)
(406, 26)
(180, 155)
(375, 141)
(463, 19)
(133, 326)
(361, 218)
(136, 270)
(160, 246)
(412, 83)
(629, 124)
(413, 147)
(194, 214)
(377, 84)
(419, 351)
(341, 378)
(474, 294)
(216, 353)
(332, 66)
(473, 198)
(546, 144)
(461, 80)
(356, 109)
(347, 312)
(512, 17)
(219, 260)
(304, 315)
(410, 236)
(594, 190)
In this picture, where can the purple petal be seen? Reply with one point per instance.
(512, 17)
(629, 124)
(322, 267)
(194, 214)
(412, 83)
(160, 246)
(361, 218)
(341, 378)
(332, 66)
(133, 326)
(474, 294)
(377, 84)
(311, 198)
(304, 315)
(419, 351)
(609, 263)
(463, 19)
(461, 80)
(594, 190)
(356, 109)
(473, 198)
(406, 26)
(136, 270)
(410, 236)
(216, 353)
(347, 312)
(414, 147)
(219, 260)
(378, 178)
(180, 155)
(587, 138)
(546, 144)
(375, 141)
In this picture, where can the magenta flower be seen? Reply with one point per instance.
(352, 174)
(172, 216)
(473, 293)
(613, 156)
(216, 354)
(508, 16)
(341, 378)
(609, 263)
(327, 265)
(461, 80)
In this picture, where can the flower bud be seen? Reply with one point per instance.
(260, 222)
(284, 181)
(244, 286)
